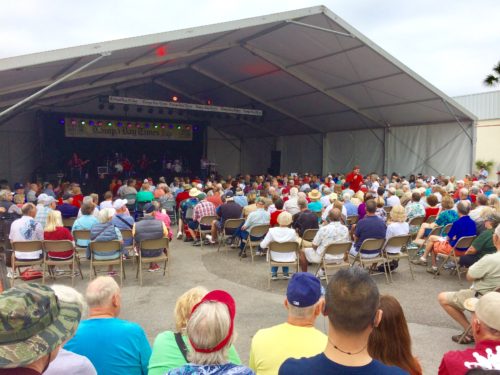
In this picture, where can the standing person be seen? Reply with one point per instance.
(390, 342)
(352, 305)
(296, 337)
(355, 179)
(114, 346)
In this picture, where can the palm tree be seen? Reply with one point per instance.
(493, 79)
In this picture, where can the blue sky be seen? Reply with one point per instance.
(451, 43)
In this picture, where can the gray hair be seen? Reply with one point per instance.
(100, 291)
(208, 325)
(463, 208)
(346, 197)
(302, 203)
(70, 295)
(106, 214)
(300, 312)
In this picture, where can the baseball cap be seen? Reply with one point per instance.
(148, 208)
(33, 323)
(225, 298)
(486, 309)
(229, 194)
(18, 185)
(303, 290)
(119, 203)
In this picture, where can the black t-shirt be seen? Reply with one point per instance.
(305, 220)
(320, 364)
(229, 210)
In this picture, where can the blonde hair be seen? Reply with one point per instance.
(185, 304)
(380, 202)
(106, 214)
(398, 214)
(207, 327)
(54, 220)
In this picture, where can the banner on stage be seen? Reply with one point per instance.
(85, 128)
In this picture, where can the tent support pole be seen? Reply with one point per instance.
(47, 88)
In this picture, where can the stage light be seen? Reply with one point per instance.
(73, 122)
(175, 98)
(62, 121)
(119, 124)
(129, 125)
(209, 102)
(99, 123)
(163, 126)
(91, 123)
(110, 123)
(161, 51)
(188, 127)
(178, 127)
(156, 126)
(137, 125)
(83, 122)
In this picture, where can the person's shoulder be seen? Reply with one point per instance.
(377, 367)
(266, 333)
(301, 366)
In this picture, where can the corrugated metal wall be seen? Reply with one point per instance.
(486, 106)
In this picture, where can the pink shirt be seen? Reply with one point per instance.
(166, 219)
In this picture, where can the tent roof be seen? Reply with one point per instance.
(307, 69)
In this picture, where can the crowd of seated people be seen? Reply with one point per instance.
(360, 321)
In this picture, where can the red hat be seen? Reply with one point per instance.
(225, 298)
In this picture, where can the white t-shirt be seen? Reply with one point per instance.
(280, 234)
(393, 200)
(396, 229)
(26, 229)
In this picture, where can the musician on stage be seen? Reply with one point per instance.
(204, 165)
(144, 164)
(76, 166)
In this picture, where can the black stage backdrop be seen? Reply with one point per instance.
(57, 148)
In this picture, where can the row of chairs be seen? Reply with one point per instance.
(101, 247)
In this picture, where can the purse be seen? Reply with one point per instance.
(31, 274)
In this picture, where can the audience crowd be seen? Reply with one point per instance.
(367, 333)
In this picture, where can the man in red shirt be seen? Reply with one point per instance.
(355, 179)
(486, 331)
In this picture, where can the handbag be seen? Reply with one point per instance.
(31, 274)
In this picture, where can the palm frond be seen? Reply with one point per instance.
(490, 80)
(496, 68)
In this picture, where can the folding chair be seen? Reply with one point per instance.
(256, 231)
(436, 231)
(106, 247)
(401, 242)
(462, 244)
(351, 220)
(446, 229)
(431, 219)
(282, 248)
(308, 236)
(416, 221)
(205, 220)
(169, 206)
(371, 244)
(81, 235)
(68, 222)
(161, 243)
(130, 203)
(335, 249)
(229, 224)
(127, 235)
(56, 247)
(25, 247)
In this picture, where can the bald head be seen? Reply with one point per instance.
(101, 292)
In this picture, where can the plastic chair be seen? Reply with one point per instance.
(60, 246)
(282, 248)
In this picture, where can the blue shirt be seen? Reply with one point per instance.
(369, 227)
(114, 346)
(85, 222)
(463, 227)
(241, 200)
(315, 206)
(351, 208)
(320, 364)
(121, 225)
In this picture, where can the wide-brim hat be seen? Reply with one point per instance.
(314, 194)
(33, 323)
(194, 192)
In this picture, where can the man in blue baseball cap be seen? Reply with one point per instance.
(297, 337)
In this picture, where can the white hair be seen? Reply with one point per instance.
(293, 192)
(208, 325)
(100, 291)
(346, 197)
(106, 214)
(70, 295)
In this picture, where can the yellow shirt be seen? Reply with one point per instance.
(272, 346)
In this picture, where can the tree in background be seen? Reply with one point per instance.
(493, 79)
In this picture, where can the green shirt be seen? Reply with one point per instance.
(144, 196)
(166, 354)
(484, 243)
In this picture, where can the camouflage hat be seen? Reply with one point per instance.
(33, 322)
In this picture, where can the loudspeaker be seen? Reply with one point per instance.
(275, 167)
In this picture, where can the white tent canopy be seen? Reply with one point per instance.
(330, 96)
